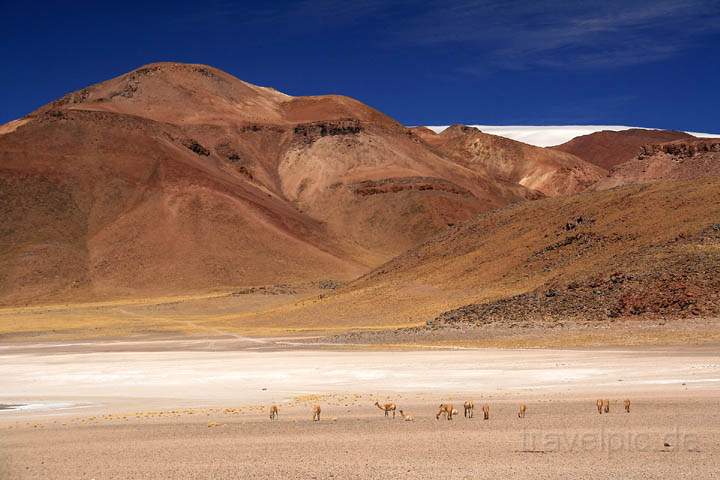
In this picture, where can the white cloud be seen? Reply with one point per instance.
(523, 34)
(705, 135)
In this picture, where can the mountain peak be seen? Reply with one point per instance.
(458, 129)
(178, 93)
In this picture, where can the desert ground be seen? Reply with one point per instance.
(198, 408)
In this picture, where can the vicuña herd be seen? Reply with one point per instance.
(448, 411)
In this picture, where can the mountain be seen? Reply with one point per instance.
(544, 170)
(679, 160)
(553, 135)
(179, 178)
(607, 149)
(634, 251)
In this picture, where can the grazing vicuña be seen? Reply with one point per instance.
(316, 413)
(387, 408)
(445, 409)
(469, 409)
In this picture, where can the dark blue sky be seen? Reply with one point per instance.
(646, 63)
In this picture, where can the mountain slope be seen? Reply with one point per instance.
(546, 171)
(176, 178)
(629, 252)
(99, 204)
(607, 149)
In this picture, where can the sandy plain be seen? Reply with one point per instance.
(198, 409)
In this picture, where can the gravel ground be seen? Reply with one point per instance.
(557, 439)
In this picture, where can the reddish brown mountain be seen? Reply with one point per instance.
(176, 178)
(547, 171)
(678, 160)
(607, 149)
(426, 134)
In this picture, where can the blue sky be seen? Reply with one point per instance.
(646, 63)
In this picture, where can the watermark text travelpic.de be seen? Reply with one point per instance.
(609, 441)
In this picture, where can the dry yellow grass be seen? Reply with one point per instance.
(178, 317)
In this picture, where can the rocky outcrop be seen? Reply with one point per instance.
(680, 149)
(196, 147)
(678, 160)
(261, 127)
(310, 132)
(395, 185)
